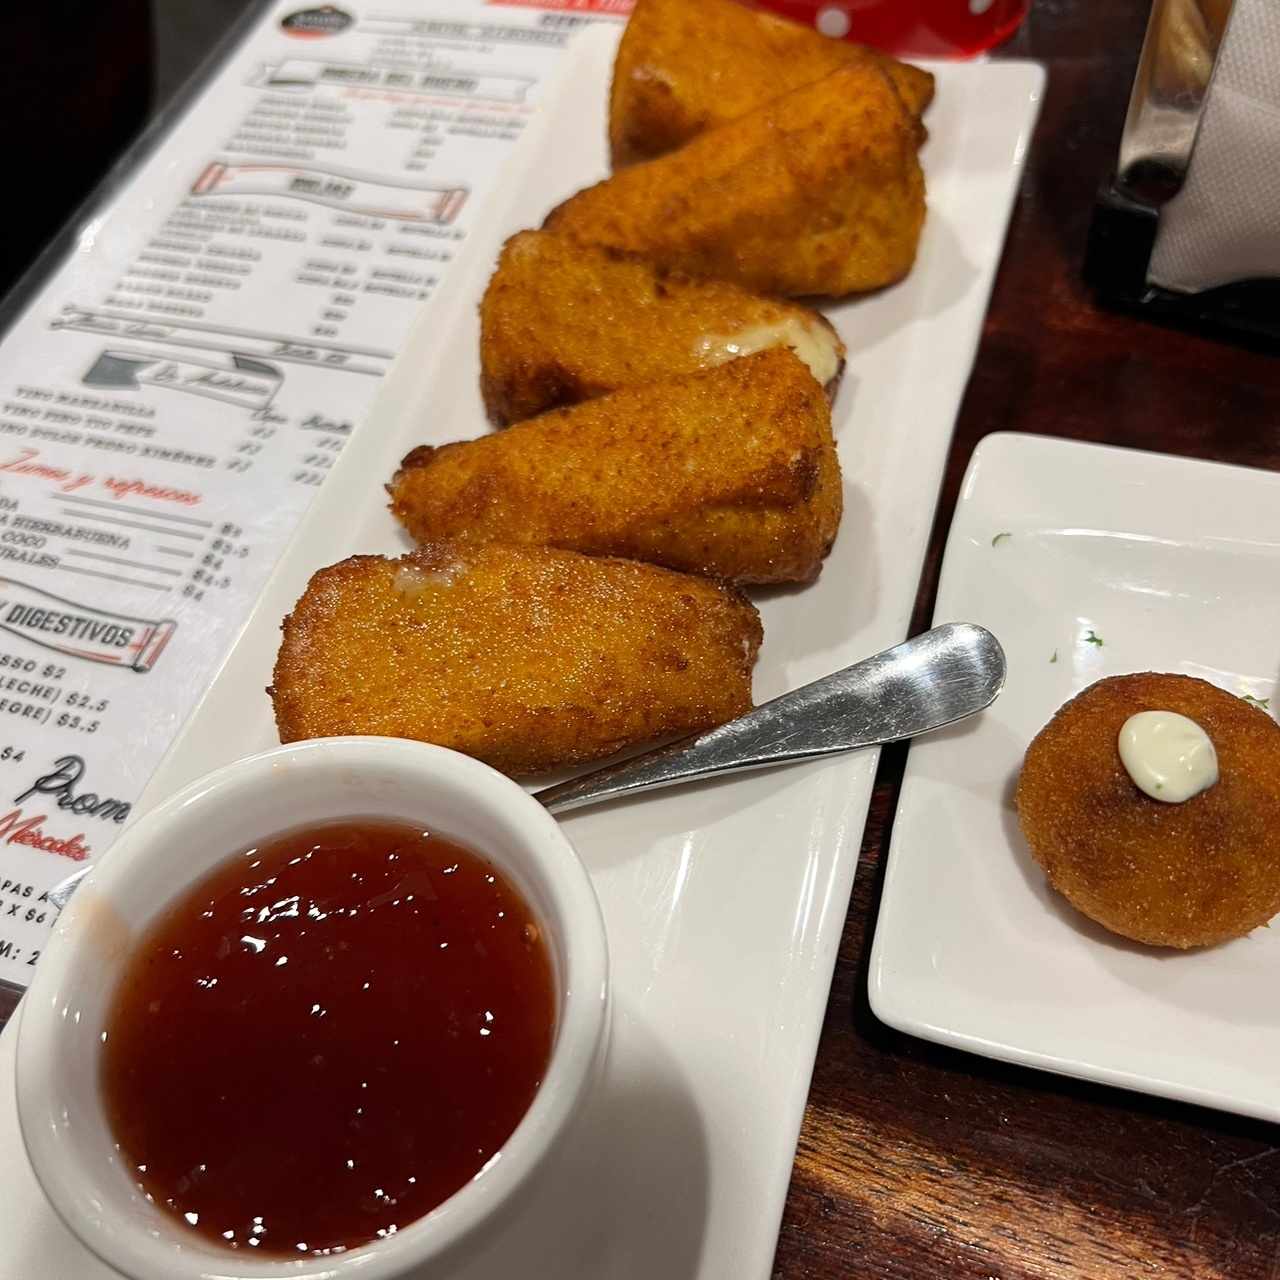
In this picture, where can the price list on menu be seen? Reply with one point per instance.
(181, 384)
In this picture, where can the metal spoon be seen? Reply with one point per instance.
(925, 683)
(932, 680)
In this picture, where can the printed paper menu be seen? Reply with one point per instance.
(175, 393)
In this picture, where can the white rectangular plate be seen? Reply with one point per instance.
(1173, 565)
(724, 903)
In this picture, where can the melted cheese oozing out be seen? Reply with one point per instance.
(412, 580)
(814, 343)
(1168, 756)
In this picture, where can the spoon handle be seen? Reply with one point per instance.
(929, 681)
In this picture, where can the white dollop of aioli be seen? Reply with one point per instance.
(1168, 756)
(813, 342)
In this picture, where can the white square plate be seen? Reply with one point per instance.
(724, 902)
(1175, 566)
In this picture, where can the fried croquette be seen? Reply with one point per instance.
(1172, 875)
(817, 192)
(528, 658)
(731, 473)
(684, 68)
(562, 322)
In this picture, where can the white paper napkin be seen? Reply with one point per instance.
(1224, 225)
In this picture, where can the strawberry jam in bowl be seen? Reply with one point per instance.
(324, 1012)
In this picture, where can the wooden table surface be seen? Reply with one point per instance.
(923, 1163)
(918, 1162)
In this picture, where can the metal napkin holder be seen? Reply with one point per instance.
(1156, 151)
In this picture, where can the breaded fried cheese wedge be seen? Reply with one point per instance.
(730, 473)
(528, 658)
(817, 192)
(562, 322)
(686, 67)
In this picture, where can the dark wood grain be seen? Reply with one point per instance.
(922, 1163)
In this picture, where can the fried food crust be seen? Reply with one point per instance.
(525, 657)
(1172, 875)
(730, 473)
(562, 322)
(683, 68)
(817, 192)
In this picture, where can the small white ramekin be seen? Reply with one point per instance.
(163, 853)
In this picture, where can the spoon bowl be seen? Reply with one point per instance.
(925, 683)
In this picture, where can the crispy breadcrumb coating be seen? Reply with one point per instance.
(1173, 875)
(817, 192)
(683, 68)
(562, 322)
(730, 473)
(525, 657)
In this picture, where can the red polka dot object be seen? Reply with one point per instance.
(918, 28)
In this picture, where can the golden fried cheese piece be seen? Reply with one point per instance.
(686, 67)
(817, 192)
(562, 322)
(526, 657)
(730, 473)
(1172, 875)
